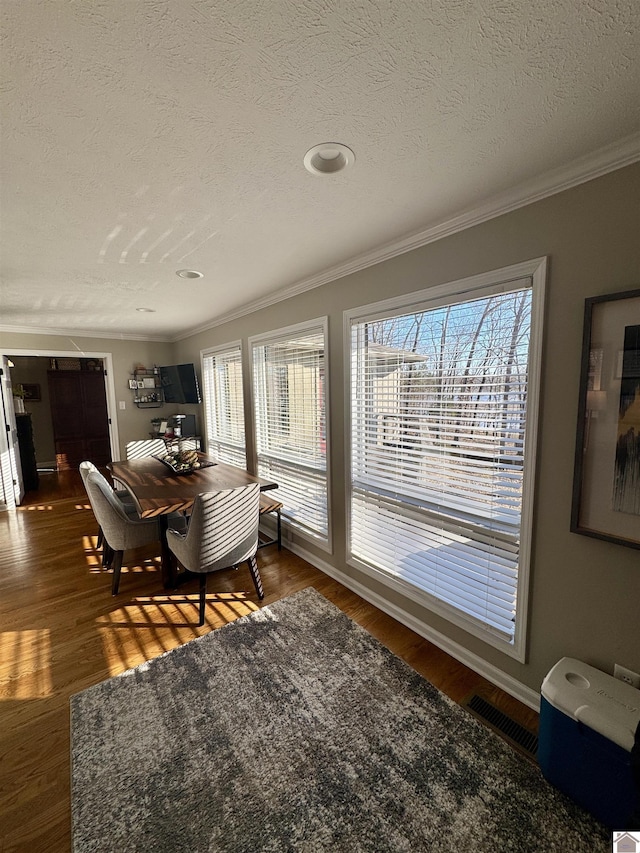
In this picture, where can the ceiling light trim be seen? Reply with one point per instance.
(189, 274)
(328, 158)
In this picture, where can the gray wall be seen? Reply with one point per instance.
(584, 592)
(133, 423)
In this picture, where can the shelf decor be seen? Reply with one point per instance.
(146, 385)
(606, 487)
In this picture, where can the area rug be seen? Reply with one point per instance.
(292, 729)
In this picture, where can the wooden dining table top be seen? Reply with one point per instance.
(157, 490)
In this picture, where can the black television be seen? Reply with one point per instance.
(180, 383)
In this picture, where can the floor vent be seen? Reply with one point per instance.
(520, 738)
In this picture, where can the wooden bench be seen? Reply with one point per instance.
(267, 505)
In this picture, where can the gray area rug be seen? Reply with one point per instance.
(292, 729)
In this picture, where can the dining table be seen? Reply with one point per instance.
(159, 492)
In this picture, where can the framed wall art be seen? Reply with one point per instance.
(606, 487)
(31, 392)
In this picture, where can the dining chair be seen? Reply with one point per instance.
(158, 446)
(222, 533)
(145, 447)
(85, 469)
(121, 530)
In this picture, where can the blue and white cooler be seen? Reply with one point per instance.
(588, 724)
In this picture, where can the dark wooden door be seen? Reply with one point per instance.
(79, 415)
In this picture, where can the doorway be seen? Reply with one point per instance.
(78, 403)
(84, 412)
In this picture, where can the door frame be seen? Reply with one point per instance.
(12, 485)
(109, 384)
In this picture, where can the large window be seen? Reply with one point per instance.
(224, 404)
(290, 416)
(442, 443)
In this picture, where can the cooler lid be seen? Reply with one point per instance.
(600, 701)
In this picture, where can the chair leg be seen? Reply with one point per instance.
(255, 574)
(100, 538)
(107, 555)
(279, 530)
(203, 597)
(117, 566)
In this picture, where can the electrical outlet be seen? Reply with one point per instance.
(626, 675)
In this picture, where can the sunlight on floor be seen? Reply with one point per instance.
(35, 508)
(25, 664)
(13, 524)
(94, 561)
(90, 548)
(172, 620)
(93, 557)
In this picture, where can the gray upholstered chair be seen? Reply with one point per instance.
(121, 530)
(86, 468)
(222, 532)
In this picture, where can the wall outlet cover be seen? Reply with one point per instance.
(626, 675)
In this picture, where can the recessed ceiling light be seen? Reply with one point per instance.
(328, 158)
(146, 310)
(189, 274)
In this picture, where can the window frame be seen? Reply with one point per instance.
(212, 352)
(466, 289)
(316, 325)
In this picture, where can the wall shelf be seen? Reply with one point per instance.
(147, 388)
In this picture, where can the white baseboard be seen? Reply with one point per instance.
(492, 673)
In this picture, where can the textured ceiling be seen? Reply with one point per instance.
(139, 138)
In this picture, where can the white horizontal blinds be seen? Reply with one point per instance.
(289, 394)
(438, 438)
(224, 405)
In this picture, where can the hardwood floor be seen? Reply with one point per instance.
(62, 631)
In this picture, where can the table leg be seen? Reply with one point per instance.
(166, 554)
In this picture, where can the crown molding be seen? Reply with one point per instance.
(623, 153)
(84, 333)
(610, 158)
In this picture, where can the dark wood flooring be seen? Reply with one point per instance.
(62, 631)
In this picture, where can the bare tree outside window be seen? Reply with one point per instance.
(439, 411)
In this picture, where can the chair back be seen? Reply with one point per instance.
(86, 468)
(110, 512)
(146, 447)
(223, 529)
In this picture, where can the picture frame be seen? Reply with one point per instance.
(606, 486)
(32, 392)
(133, 384)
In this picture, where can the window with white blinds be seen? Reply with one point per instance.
(224, 404)
(290, 421)
(439, 441)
